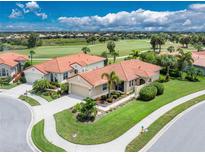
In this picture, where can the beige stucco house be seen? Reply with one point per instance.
(199, 60)
(11, 64)
(132, 73)
(61, 68)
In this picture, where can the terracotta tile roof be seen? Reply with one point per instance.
(199, 58)
(63, 64)
(126, 71)
(11, 59)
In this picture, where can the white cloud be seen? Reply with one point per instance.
(32, 5)
(139, 20)
(15, 13)
(42, 15)
(29, 7)
(197, 7)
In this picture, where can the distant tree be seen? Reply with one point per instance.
(168, 61)
(185, 40)
(171, 49)
(198, 46)
(161, 41)
(105, 55)
(193, 73)
(102, 39)
(154, 42)
(149, 57)
(31, 53)
(85, 50)
(32, 40)
(111, 46)
(91, 39)
(112, 79)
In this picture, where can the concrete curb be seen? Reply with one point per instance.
(167, 126)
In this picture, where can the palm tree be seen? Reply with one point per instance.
(111, 46)
(31, 53)
(168, 61)
(184, 59)
(105, 55)
(198, 46)
(85, 50)
(112, 79)
(134, 54)
(115, 54)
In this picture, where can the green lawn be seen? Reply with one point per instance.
(40, 140)
(7, 86)
(29, 100)
(119, 121)
(140, 141)
(48, 98)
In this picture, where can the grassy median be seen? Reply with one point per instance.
(122, 119)
(40, 140)
(29, 100)
(140, 141)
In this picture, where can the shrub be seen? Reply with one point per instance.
(159, 86)
(103, 97)
(56, 84)
(110, 100)
(26, 65)
(54, 95)
(148, 93)
(64, 88)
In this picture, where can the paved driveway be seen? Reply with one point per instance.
(15, 118)
(18, 90)
(50, 108)
(187, 134)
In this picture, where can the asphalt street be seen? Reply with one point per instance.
(187, 134)
(15, 118)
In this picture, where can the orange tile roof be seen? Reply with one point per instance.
(199, 58)
(126, 71)
(63, 64)
(11, 59)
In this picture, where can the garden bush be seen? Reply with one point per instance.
(64, 88)
(41, 86)
(148, 93)
(54, 95)
(159, 86)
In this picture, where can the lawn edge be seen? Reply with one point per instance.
(160, 132)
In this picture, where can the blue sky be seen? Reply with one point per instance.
(102, 16)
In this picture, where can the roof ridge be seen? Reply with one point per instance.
(123, 71)
(57, 64)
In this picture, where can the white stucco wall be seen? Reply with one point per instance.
(11, 70)
(32, 74)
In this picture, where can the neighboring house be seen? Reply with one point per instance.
(199, 60)
(61, 68)
(11, 63)
(132, 73)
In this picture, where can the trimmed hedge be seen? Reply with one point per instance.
(159, 86)
(148, 93)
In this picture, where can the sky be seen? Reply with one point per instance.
(102, 16)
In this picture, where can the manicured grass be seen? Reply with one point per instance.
(29, 100)
(48, 98)
(119, 121)
(38, 61)
(140, 141)
(7, 86)
(71, 47)
(40, 140)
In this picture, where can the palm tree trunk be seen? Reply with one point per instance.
(167, 74)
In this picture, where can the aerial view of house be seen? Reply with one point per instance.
(102, 76)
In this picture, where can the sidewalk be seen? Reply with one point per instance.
(120, 143)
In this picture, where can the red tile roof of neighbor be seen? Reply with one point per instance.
(63, 64)
(11, 59)
(126, 71)
(199, 58)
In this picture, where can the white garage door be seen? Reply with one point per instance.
(79, 90)
(32, 77)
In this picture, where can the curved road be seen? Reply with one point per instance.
(187, 134)
(15, 118)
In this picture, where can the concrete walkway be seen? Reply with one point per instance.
(119, 144)
(38, 98)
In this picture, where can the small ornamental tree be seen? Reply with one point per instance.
(41, 86)
(86, 111)
(148, 93)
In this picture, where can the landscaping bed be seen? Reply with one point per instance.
(40, 140)
(29, 100)
(119, 121)
(140, 141)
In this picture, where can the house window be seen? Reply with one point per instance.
(3, 72)
(104, 87)
(130, 83)
(65, 75)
